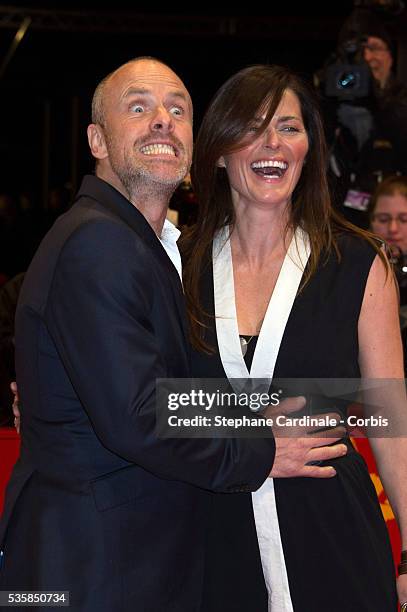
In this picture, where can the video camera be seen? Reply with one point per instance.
(349, 77)
(346, 75)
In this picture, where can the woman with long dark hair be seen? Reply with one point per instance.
(279, 286)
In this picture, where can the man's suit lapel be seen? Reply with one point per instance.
(117, 204)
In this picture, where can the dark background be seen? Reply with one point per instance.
(46, 88)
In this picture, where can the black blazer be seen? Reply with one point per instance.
(97, 504)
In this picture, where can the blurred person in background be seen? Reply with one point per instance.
(8, 303)
(388, 219)
(366, 120)
(388, 213)
(184, 202)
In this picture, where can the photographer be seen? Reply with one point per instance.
(366, 112)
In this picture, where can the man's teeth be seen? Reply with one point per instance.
(158, 149)
(270, 164)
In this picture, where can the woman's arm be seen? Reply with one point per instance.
(381, 356)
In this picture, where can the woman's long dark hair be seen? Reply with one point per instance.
(246, 95)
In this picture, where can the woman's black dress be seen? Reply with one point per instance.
(336, 546)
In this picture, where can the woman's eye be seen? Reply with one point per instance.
(289, 128)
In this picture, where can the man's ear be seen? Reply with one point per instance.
(96, 140)
(221, 162)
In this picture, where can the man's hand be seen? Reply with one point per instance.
(298, 447)
(16, 408)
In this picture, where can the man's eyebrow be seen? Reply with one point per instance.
(137, 91)
(179, 94)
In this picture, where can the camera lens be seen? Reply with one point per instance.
(347, 80)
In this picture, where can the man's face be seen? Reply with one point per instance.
(378, 56)
(147, 127)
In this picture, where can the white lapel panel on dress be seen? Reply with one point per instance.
(264, 361)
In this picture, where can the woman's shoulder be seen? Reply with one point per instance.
(361, 246)
(350, 257)
(342, 273)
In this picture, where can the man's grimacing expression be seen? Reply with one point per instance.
(146, 136)
(266, 171)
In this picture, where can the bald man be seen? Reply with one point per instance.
(97, 505)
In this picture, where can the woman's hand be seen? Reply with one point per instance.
(16, 407)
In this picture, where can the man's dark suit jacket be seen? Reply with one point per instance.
(97, 505)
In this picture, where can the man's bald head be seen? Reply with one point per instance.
(100, 93)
